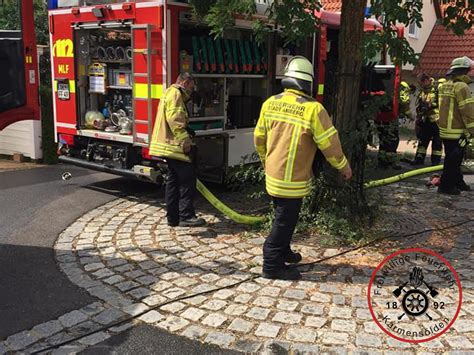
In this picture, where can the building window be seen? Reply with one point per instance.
(413, 30)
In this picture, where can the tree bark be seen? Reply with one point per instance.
(348, 79)
(350, 65)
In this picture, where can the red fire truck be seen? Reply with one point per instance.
(112, 62)
(19, 71)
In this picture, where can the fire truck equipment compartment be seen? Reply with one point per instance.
(244, 110)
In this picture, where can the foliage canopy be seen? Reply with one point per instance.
(10, 18)
(296, 19)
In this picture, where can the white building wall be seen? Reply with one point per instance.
(418, 41)
(22, 137)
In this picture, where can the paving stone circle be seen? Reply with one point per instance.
(204, 282)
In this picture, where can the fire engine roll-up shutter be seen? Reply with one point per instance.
(12, 72)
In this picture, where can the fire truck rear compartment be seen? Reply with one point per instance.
(103, 68)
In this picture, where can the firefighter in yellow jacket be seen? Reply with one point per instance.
(427, 114)
(172, 140)
(389, 132)
(404, 100)
(456, 124)
(292, 126)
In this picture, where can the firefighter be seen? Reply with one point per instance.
(441, 81)
(389, 132)
(389, 139)
(456, 124)
(172, 140)
(426, 121)
(404, 100)
(292, 126)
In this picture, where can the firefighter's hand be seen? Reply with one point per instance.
(191, 132)
(346, 173)
(187, 146)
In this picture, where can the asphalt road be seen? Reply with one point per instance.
(146, 339)
(35, 206)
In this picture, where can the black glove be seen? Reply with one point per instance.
(191, 132)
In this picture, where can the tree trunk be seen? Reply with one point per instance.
(348, 78)
(350, 65)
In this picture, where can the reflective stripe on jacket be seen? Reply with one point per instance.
(290, 129)
(169, 132)
(456, 114)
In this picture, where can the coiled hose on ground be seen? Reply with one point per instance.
(245, 219)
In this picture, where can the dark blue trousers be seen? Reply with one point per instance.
(277, 245)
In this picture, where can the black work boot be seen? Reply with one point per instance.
(417, 161)
(463, 186)
(396, 166)
(284, 273)
(192, 222)
(293, 258)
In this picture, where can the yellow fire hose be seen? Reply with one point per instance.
(244, 219)
(396, 178)
(219, 205)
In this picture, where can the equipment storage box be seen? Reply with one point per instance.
(185, 62)
(120, 77)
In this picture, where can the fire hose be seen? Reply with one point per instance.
(245, 219)
(396, 178)
(229, 212)
(232, 285)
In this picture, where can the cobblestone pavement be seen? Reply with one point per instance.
(202, 283)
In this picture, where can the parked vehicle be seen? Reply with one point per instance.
(112, 62)
(19, 82)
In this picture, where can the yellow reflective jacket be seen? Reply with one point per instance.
(169, 133)
(290, 129)
(428, 96)
(456, 114)
(404, 99)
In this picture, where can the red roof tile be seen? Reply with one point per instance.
(332, 5)
(441, 48)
